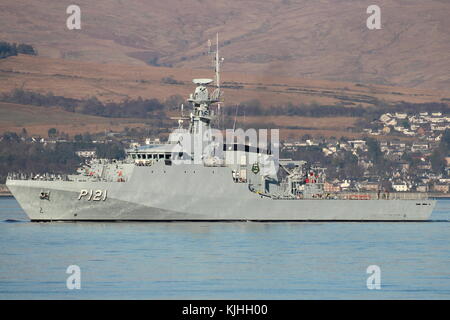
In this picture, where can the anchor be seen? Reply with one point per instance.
(44, 195)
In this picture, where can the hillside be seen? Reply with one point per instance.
(37, 121)
(116, 82)
(325, 40)
(14, 117)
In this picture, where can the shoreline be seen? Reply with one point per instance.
(440, 196)
(4, 191)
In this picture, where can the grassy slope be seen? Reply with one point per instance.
(118, 82)
(325, 39)
(37, 120)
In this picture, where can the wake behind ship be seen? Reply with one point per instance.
(222, 182)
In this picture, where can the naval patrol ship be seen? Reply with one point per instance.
(196, 177)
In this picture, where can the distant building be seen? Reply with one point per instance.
(330, 187)
(402, 187)
(370, 186)
(346, 185)
(422, 188)
(357, 144)
(447, 161)
(444, 188)
(401, 116)
(86, 153)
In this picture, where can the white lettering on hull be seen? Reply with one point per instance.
(93, 195)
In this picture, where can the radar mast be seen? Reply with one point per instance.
(201, 99)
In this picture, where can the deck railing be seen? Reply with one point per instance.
(383, 195)
(282, 192)
(42, 177)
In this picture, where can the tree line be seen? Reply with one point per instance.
(12, 49)
(17, 155)
(154, 108)
(130, 108)
(254, 108)
(438, 156)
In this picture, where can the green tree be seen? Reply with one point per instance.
(374, 151)
(52, 132)
(24, 133)
(438, 156)
(26, 49)
(78, 138)
(437, 161)
(110, 151)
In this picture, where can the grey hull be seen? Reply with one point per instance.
(195, 193)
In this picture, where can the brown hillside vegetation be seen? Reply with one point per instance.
(114, 82)
(37, 121)
(325, 39)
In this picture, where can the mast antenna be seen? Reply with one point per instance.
(217, 62)
(235, 118)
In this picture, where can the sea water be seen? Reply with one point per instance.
(244, 260)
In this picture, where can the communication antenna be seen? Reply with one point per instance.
(235, 118)
(218, 62)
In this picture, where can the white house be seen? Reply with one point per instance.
(403, 187)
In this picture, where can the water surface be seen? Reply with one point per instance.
(224, 260)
